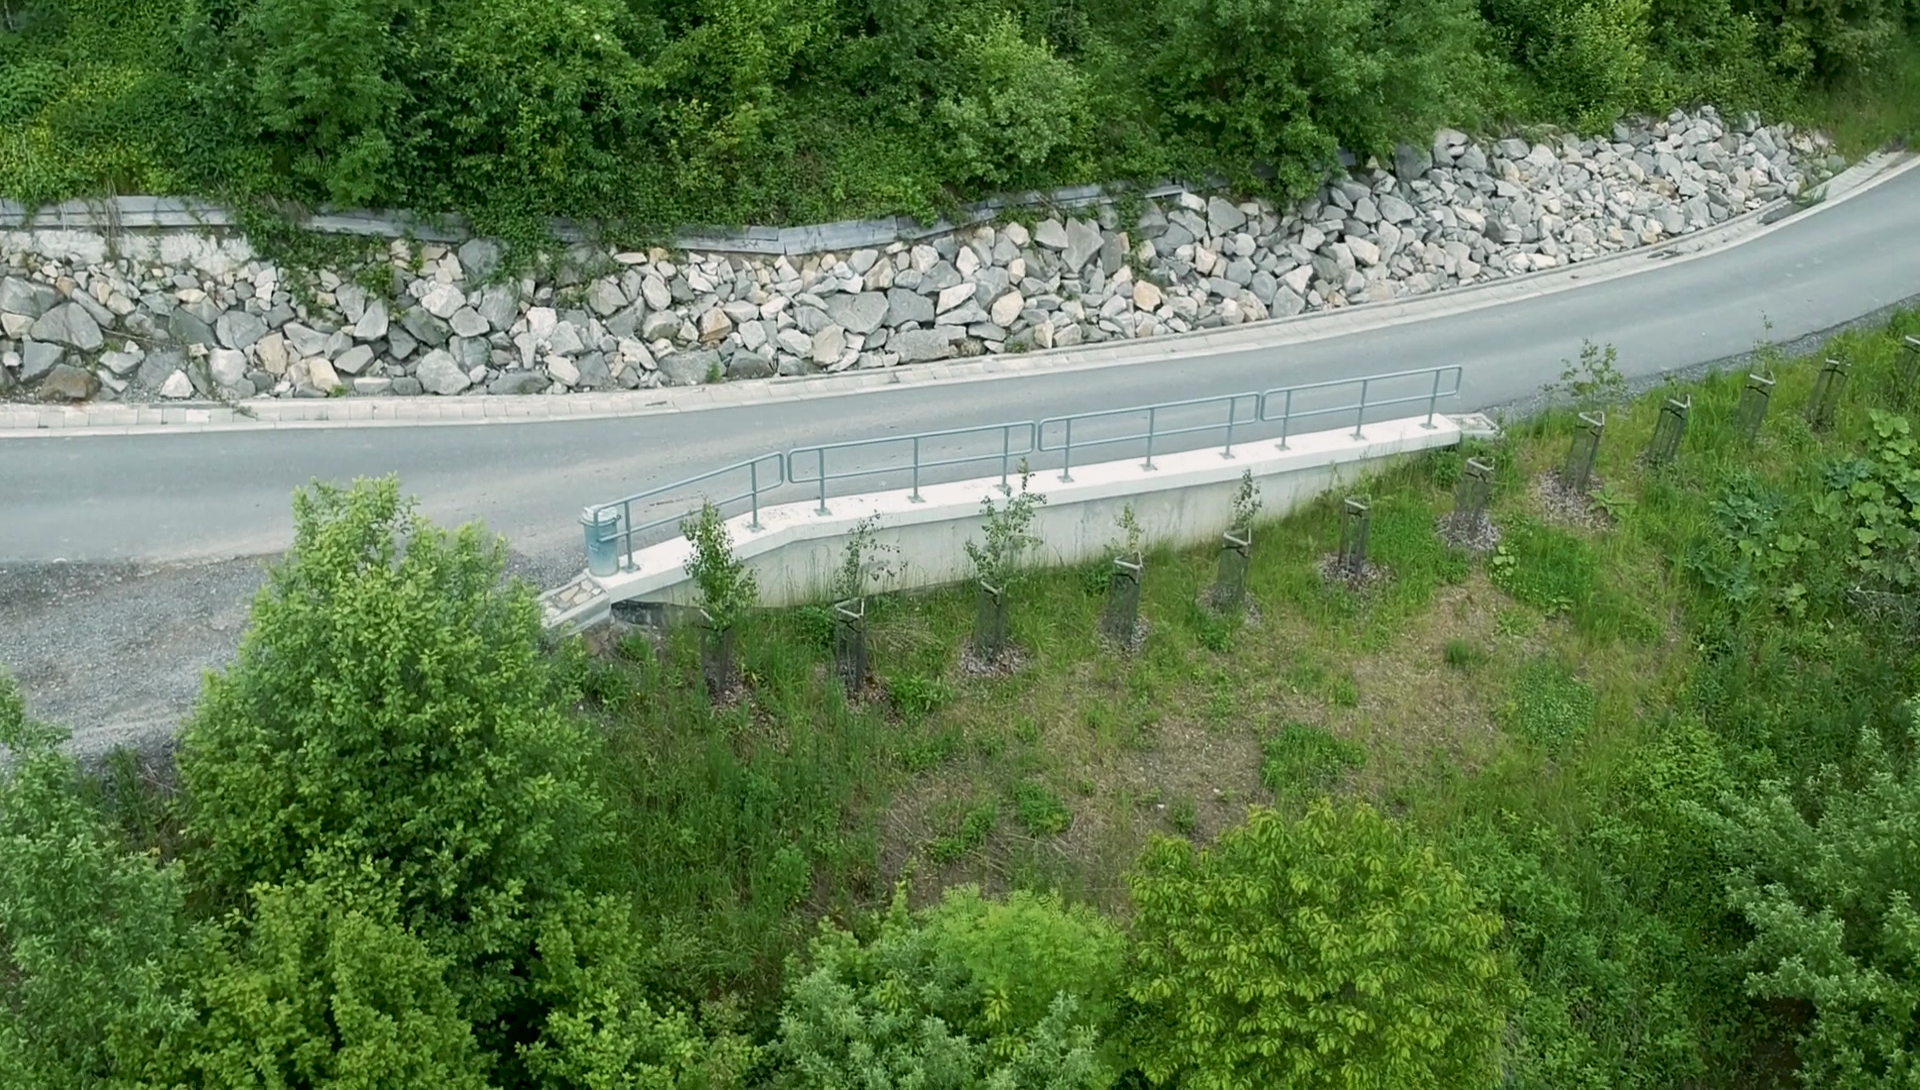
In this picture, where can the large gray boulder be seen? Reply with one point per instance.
(189, 328)
(238, 329)
(68, 383)
(478, 258)
(68, 324)
(745, 365)
(860, 313)
(18, 296)
(688, 368)
(440, 374)
(920, 345)
(373, 321)
(38, 357)
(1083, 241)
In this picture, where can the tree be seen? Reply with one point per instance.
(1319, 953)
(90, 935)
(389, 713)
(600, 1029)
(326, 990)
(1831, 898)
(968, 994)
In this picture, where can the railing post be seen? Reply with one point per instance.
(1286, 419)
(1066, 455)
(626, 535)
(916, 470)
(1006, 455)
(1432, 399)
(1153, 416)
(821, 454)
(1360, 418)
(1233, 409)
(753, 487)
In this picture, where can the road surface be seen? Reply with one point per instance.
(148, 513)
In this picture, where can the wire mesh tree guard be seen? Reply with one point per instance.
(850, 643)
(717, 663)
(1470, 499)
(1122, 614)
(1755, 396)
(1669, 430)
(1230, 580)
(1827, 387)
(1584, 451)
(1909, 372)
(989, 622)
(1356, 524)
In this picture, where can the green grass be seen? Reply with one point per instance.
(1509, 697)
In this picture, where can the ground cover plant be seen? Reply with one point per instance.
(1626, 802)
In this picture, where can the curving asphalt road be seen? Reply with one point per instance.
(105, 501)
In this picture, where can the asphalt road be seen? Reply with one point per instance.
(141, 506)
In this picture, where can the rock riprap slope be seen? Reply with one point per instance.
(137, 316)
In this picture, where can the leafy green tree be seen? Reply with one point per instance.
(90, 935)
(389, 712)
(320, 84)
(969, 993)
(1016, 110)
(1287, 82)
(1831, 900)
(323, 988)
(1324, 952)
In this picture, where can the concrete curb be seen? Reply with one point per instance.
(173, 213)
(20, 420)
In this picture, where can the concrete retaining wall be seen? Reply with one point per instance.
(1185, 500)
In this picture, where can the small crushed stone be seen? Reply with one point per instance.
(1571, 508)
(1476, 536)
(1369, 576)
(1007, 663)
(1210, 599)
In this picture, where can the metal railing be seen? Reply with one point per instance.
(1005, 456)
(1154, 414)
(627, 529)
(1285, 395)
(1236, 416)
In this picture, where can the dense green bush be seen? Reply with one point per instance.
(91, 938)
(1325, 951)
(1830, 900)
(967, 994)
(647, 114)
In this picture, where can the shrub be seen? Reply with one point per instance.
(969, 993)
(1830, 898)
(92, 971)
(1015, 108)
(1328, 951)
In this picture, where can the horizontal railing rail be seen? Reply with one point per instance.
(1286, 395)
(756, 470)
(1229, 405)
(1238, 418)
(822, 476)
